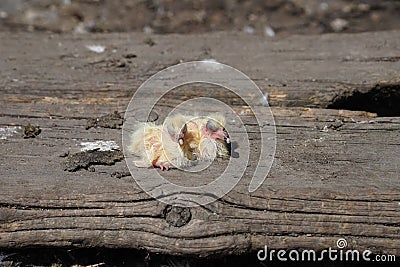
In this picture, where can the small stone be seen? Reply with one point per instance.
(149, 41)
(119, 175)
(364, 7)
(347, 8)
(148, 30)
(324, 6)
(339, 24)
(268, 31)
(3, 15)
(130, 55)
(64, 155)
(248, 29)
(121, 63)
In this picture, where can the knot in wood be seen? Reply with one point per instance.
(177, 216)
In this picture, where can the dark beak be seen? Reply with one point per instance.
(227, 139)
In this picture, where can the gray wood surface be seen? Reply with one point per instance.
(335, 174)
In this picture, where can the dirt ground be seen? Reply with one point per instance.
(270, 18)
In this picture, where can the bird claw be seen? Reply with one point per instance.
(162, 166)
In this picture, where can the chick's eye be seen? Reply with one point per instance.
(180, 141)
(211, 126)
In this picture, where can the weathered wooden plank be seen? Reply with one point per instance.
(57, 76)
(324, 184)
(335, 174)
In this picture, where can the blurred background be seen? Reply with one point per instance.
(262, 17)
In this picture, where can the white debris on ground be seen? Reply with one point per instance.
(3, 15)
(268, 31)
(99, 145)
(96, 48)
(148, 30)
(324, 6)
(339, 24)
(248, 29)
(85, 27)
(8, 131)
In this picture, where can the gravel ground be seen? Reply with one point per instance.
(270, 18)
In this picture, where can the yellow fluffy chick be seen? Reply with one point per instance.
(207, 137)
(160, 145)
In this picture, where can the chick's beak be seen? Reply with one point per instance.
(227, 139)
(222, 135)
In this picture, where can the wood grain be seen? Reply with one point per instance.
(335, 174)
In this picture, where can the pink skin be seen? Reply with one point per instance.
(218, 134)
(161, 166)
